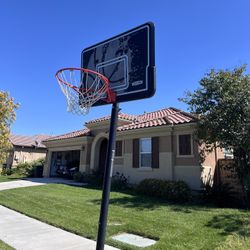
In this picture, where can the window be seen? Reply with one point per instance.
(145, 152)
(185, 145)
(118, 148)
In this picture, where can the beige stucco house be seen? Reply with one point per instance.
(26, 149)
(158, 144)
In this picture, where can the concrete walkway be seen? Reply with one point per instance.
(29, 182)
(18, 184)
(24, 233)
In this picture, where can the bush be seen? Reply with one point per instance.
(37, 168)
(32, 169)
(39, 162)
(247, 183)
(6, 171)
(248, 189)
(119, 182)
(222, 195)
(95, 178)
(177, 191)
(22, 169)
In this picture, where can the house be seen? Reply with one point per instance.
(158, 144)
(26, 149)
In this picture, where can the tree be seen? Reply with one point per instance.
(7, 117)
(222, 103)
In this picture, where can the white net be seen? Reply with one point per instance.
(82, 88)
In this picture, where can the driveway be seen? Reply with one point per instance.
(29, 182)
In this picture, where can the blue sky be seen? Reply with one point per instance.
(39, 37)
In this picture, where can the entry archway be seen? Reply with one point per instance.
(97, 151)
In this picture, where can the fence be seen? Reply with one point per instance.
(225, 173)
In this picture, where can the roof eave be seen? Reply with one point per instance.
(68, 141)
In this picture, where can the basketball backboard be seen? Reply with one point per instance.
(128, 61)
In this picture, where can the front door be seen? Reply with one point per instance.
(102, 156)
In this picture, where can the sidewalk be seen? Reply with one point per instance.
(24, 233)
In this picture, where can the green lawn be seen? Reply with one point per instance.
(174, 226)
(13, 177)
(4, 246)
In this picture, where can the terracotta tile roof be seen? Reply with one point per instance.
(78, 133)
(167, 116)
(161, 117)
(28, 141)
(121, 116)
(156, 114)
(145, 124)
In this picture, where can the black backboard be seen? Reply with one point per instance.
(128, 61)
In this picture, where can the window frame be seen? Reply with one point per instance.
(191, 146)
(140, 153)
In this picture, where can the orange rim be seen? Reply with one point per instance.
(110, 93)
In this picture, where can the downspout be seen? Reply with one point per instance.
(172, 150)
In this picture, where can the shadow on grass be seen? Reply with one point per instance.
(141, 202)
(132, 202)
(14, 178)
(232, 223)
(5, 178)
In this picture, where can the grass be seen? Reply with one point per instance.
(174, 226)
(13, 177)
(4, 246)
(235, 242)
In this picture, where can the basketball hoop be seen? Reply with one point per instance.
(82, 88)
(128, 60)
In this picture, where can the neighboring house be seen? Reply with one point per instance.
(26, 149)
(158, 144)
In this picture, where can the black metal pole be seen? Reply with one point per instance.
(107, 178)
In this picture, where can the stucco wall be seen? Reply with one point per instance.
(21, 155)
(171, 166)
(136, 175)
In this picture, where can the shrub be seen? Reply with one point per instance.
(22, 169)
(177, 191)
(39, 162)
(37, 168)
(6, 171)
(222, 195)
(248, 189)
(247, 183)
(32, 169)
(119, 182)
(95, 178)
